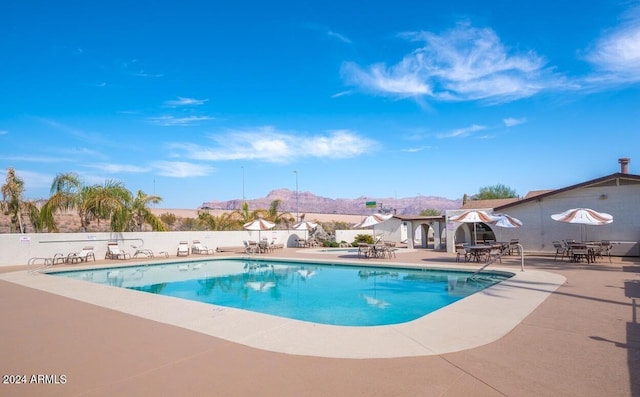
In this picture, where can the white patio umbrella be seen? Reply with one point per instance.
(506, 221)
(474, 216)
(259, 225)
(583, 216)
(307, 226)
(373, 220)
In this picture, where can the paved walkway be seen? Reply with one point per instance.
(580, 341)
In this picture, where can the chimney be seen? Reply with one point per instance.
(624, 165)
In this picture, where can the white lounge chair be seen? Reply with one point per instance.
(183, 249)
(114, 252)
(82, 256)
(198, 248)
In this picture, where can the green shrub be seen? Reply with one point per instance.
(363, 238)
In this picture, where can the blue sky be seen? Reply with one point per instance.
(194, 101)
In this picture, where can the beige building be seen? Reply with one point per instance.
(617, 194)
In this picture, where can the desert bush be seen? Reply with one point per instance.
(363, 238)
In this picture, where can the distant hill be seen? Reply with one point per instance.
(308, 202)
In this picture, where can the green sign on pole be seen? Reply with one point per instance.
(371, 204)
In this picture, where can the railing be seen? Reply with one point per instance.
(36, 265)
(492, 260)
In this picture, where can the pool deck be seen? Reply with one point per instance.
(558, 328)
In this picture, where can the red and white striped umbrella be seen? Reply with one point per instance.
(474, 216)
(585, 216)
(506, 221)
(373, 220)
(259, 225)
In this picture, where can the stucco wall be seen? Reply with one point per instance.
(17, 249)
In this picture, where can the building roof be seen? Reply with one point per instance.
(493, 203)
(609, 180)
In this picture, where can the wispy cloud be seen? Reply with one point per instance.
(510, 121)
(171, 121)
(462, 64)
(417, 149)
(616, 54)
(4, 132)
(338, 36)
(462, 132)
(341, 93)
(120, 168)
(181, 169)
(185, 102)
(135, 68)
(36, 159)
(270, 145)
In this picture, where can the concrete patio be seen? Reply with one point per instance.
(583, 340)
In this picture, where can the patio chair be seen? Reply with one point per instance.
(198, 248)
(365, 250)
(494, 253)
(462, 252)
(561, 250)
(82, 256)
(114, 252)
(605, 248)
(183, 249)
(249, 248)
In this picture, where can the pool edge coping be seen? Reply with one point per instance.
(471, 322)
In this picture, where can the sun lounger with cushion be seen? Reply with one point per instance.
(114, 252)
(198, 248)
(183, 249)
(82, 256)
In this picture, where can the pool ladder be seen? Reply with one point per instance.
(520, 248)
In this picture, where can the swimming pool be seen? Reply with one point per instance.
(327, 294)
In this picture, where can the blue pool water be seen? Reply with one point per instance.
(326, 294)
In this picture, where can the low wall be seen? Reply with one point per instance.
(17, 249)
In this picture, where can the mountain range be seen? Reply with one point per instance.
(307, 202)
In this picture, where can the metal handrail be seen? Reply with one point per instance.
(520, 248)
(46, 263)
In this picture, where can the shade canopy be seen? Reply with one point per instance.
(259, 224)
(506, 221)
(584, 216)
(305, 225)
(474, 216)
(373, 220)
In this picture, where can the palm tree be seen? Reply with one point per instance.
(276, 217)
(91, 202)
(140, 213)
(67, 192)
(12, 203)
(224, 221)
(244, 215)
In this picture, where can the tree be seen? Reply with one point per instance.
(276, 217)
(67, 192)
(12, 203)
(244, 215)
(430, 212)
(138, 213)
(498, 191)
(169, 218)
